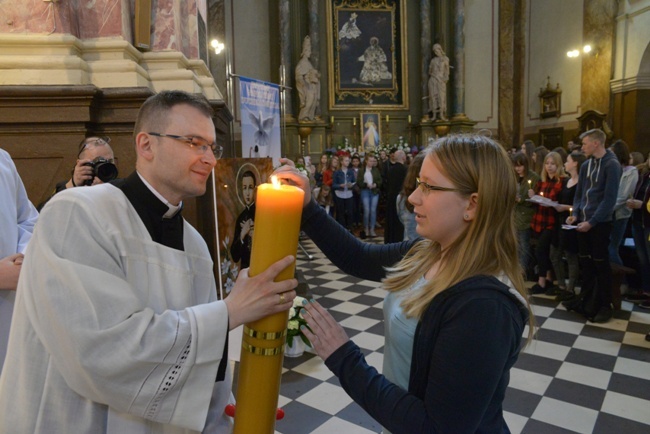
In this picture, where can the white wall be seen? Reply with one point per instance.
(482, 62)
(554, 27)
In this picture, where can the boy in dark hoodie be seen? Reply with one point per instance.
(592, 210)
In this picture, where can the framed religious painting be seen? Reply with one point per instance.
(366, 50)
(370, 131)
(236, 180)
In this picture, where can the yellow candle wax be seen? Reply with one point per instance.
(387, 118)
(570, 211)
(277, 228)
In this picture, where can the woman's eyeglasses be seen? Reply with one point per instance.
(195, 142)
(426, 188)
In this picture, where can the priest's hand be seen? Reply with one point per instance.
(288, 174)
(253, 298)
(326, 335)
(9, 271)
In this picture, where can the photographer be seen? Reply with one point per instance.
(95, 165)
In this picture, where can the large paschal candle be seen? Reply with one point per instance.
(277, 228)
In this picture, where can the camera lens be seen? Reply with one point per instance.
(105, 171)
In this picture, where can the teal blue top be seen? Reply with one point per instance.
(399, 332)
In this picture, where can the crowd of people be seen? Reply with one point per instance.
(365, 192)
(574, 209)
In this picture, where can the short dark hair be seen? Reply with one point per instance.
(579, 157)
(521, 159)
(154, 111)
(595, 134)
(622, 152)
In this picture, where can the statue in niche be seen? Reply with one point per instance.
(438, 77)
(307, 83)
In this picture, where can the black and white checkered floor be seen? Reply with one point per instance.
(576, 377)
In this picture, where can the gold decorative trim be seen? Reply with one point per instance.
(263, 351)
(267, 336)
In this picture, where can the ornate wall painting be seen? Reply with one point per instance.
(367, 54)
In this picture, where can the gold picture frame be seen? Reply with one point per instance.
(367, 54)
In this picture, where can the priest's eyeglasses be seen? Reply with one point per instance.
(426, 188)
(195, 142)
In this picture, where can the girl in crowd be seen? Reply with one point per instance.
(355, 165)
(320, 168)
(404, 207)
(524, 210)
(328, 173)
(626, 186)
(342, 183)
(324, 198)
(543, 221)
(369, 181)
(539, 157)
(528, 148)
(565, 242)
(456, 308)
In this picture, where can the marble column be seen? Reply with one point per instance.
(314, 35)
(285, 53)
(511, 71)
(425, 52)
(599, 26)
(458, 98)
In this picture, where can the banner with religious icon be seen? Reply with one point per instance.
(260, 119)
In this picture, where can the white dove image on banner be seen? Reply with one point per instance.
(260, 119)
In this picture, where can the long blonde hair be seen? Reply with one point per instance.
(488, 246)
(557, 159)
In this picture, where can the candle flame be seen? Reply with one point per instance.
(275, 181)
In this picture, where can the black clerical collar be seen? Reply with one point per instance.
(152, 211)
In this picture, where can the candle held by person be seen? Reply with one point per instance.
(277, 228)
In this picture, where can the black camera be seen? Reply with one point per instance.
(103, 168)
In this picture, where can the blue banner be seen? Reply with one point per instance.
(260, 119)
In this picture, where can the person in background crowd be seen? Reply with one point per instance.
(528, 148)
(549, 186)
(641, 231)
(342, 184)
(565, 242)
(524, 211)
(320, 168)
(404, 207)
(394, 231)
(328, 173)
(622, 214)
(539, 156)
(369, 181)
(592, 213)
(95, 165)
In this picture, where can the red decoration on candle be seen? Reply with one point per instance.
(230, 410)
(279, 414)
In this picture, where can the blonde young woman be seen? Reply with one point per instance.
(456, 308)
